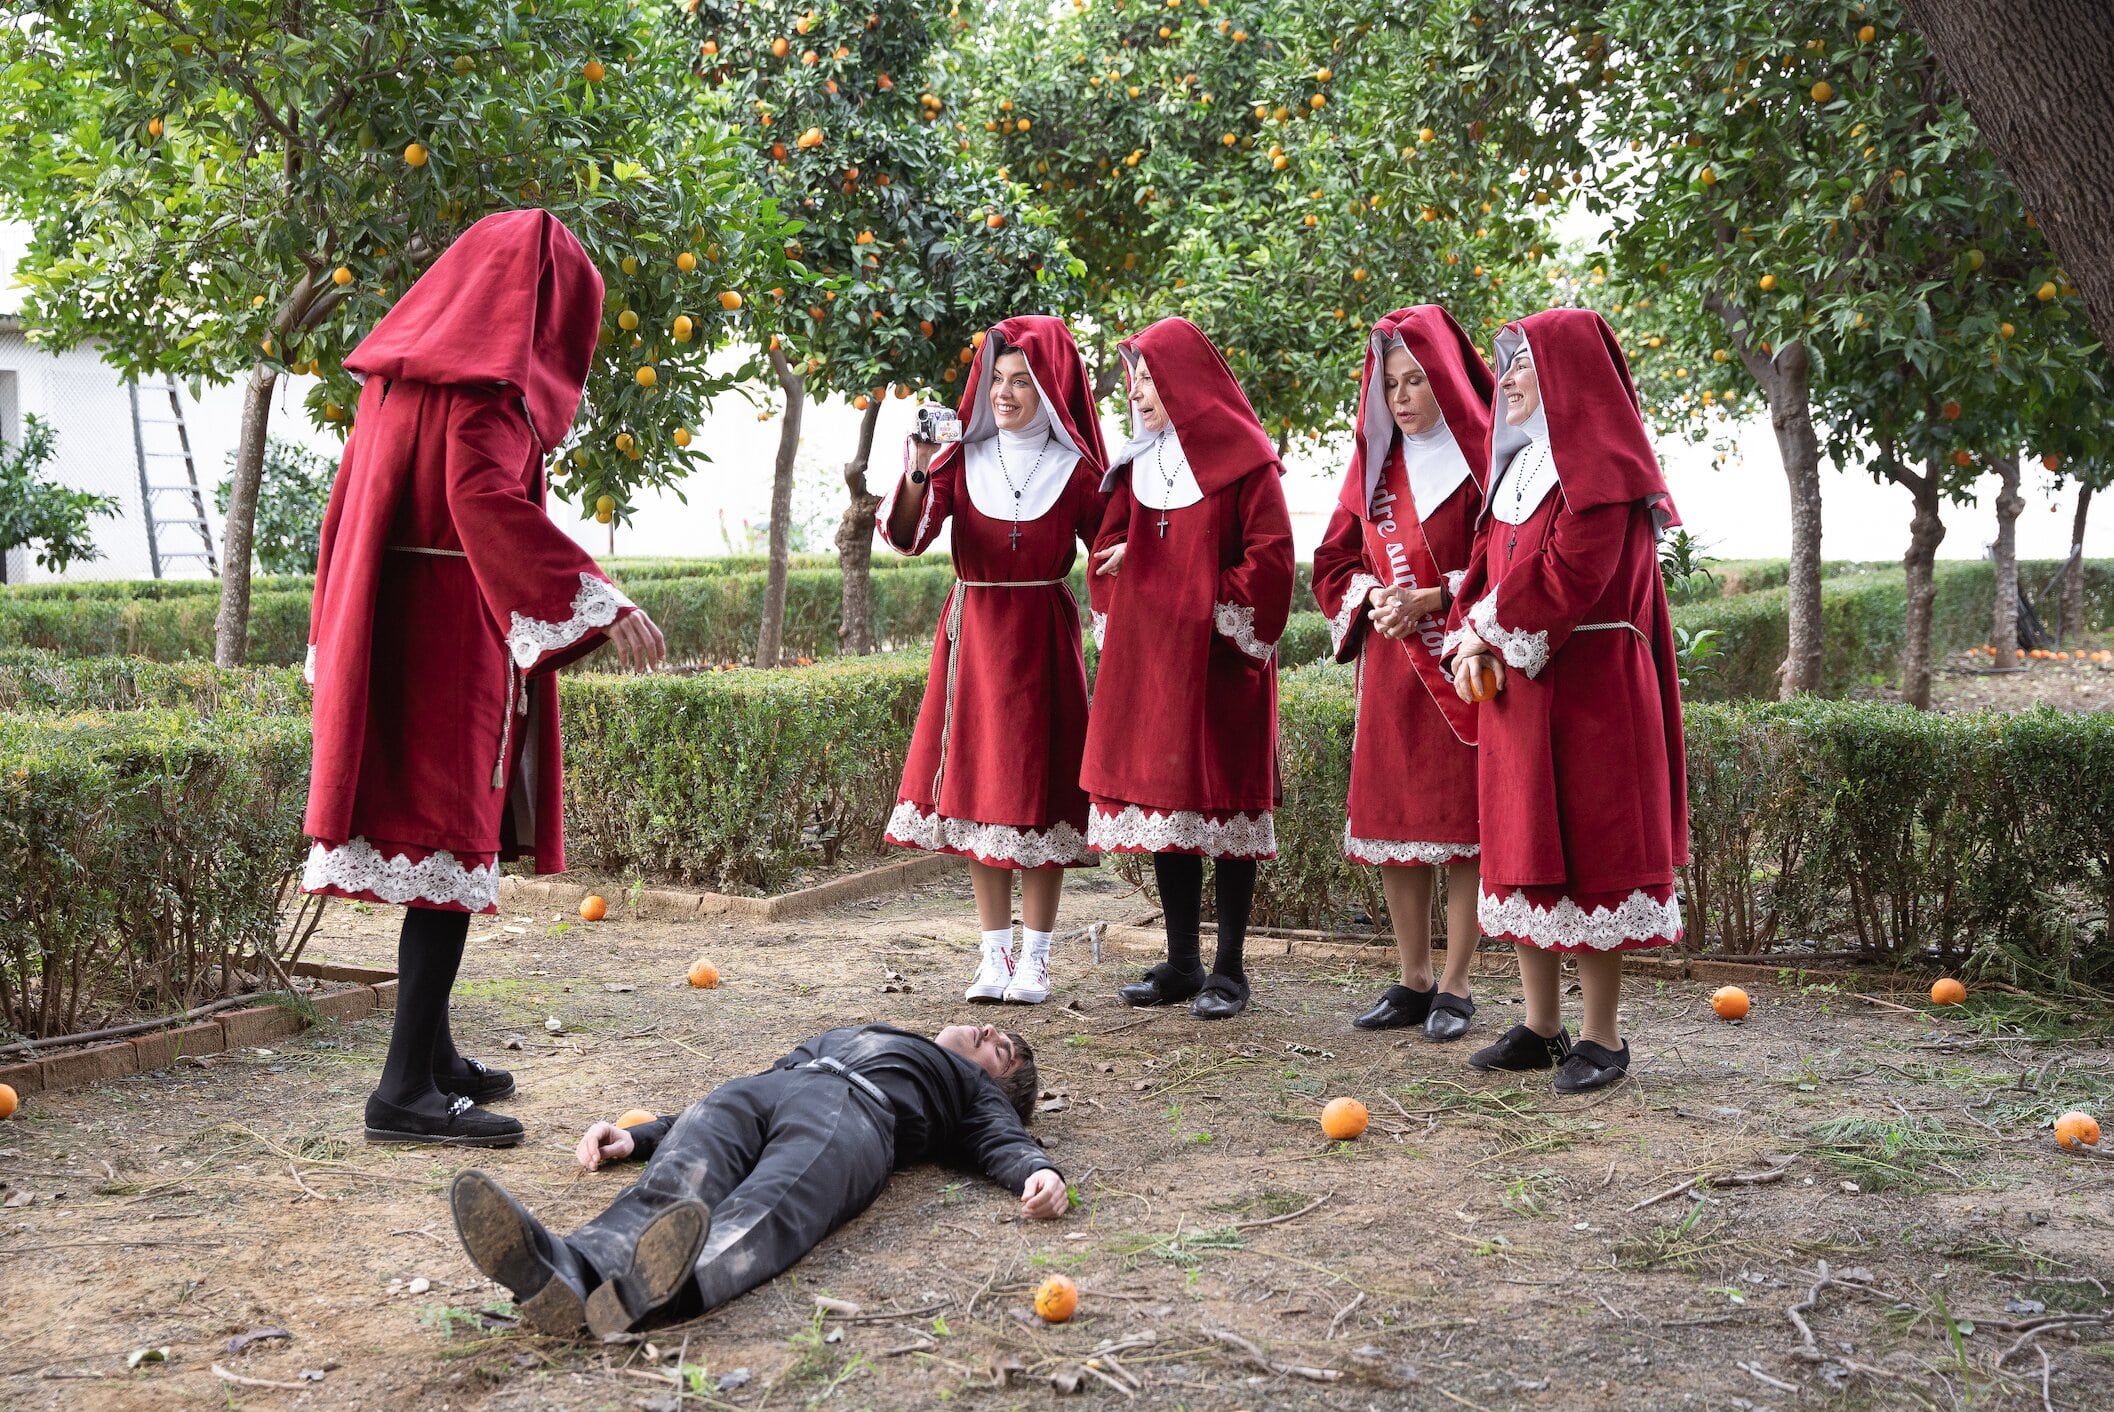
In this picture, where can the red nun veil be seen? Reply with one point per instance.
(1212, 419)
(1060, 380)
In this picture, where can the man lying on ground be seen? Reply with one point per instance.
(753, 1175)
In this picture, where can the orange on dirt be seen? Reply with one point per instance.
(7, 1101)
(1730, 1003)
(594, 908)
(1343, 1119)
(632, 1117)
(1058, 1299)
(704, 975)
(1947, 991)
(416, 154)
(2072, 1130)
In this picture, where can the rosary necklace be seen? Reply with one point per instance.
(1522, 467)
(999, 445)
(1159, 464)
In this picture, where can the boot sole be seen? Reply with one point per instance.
(665, 1256)
(385, 1135)
(500, 1245)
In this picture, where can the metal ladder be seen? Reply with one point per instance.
(151, 490)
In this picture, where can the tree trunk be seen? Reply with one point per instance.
(855, 636)
(2033, 73)
(1108, 380)
(2004, 621)
(770, 636)
(231, 630)
(2072, 625)
(1925, 532)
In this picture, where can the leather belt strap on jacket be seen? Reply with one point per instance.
(857, 1080)
(954, 648)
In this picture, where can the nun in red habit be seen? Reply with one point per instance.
(1192, 585)
(993, 770)
(1562, 631)
(445, 599)
(1384, 575)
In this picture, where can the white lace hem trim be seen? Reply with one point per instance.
(1137, 830)
(1347, 613)
(1639, 917)
(308, 666)
(1236, 622)
(1006, 845)
(596, 605)
(357, 866)
(1527, 651)
(1100, 630)
(1384, 851)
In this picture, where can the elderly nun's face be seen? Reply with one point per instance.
(1410, 400)
(1013, 398)
(1522, 393)
(1145, 398)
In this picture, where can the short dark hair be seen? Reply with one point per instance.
(1023, 1085)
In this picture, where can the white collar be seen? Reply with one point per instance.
(1432, 460)
(990, 490)
(1160, 476)
(1527, 480)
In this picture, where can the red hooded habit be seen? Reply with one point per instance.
(993, 769)
(1583, 777)
(1406, 518)
(1181, 749)
(445, 597)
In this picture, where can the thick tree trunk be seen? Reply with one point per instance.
(770, 636)
(1925, 532)
(855, 635)
(2072, 625)
(1109, 379)
(2004, 621)
(2033, 73)
(231, 630)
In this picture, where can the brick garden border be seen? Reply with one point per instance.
(245, 1028)
(668, 905)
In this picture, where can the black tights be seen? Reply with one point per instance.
(428, 953)
(1181, 880)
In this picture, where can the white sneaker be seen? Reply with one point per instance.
(1031, 978)
(993, 974)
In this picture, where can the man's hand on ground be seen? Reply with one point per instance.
(1044, 1197)
(603, 1142)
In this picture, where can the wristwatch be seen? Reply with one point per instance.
(918, 477)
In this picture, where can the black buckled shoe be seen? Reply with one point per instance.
(1520, 1048)
(476, 1081)
(664, 1257)
(1398, 1008)
(461, 1124)
(1448, 1019)
(1590, 1066)
(1163, 985)
(547, 1277)
(1222, 997)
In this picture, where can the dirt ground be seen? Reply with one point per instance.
(1964, 682)
(1485, 1245)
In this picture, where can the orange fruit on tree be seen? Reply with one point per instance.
(925, 327)
(1343, 1119)
(709, 48)
(780, 48)
(604, 505)
(2072, 1130)
(592, 71)
(681, 329)
(632, 1117)
(704, 975)
(593, 907)
(729, 300)
(7, 1101)
(1768, 283)
(1866, 34)
(627, 319)
(624, 442)
(861, 402)
(646, 376)
(341, 276)
(681, 436)
(1950, 411)
(1730, 1003)
(686, 262)
(1058, 1299)
(995, 220)
(811, 138)
(1823, 91)
(1947, 991)
(154, 127)
(416, 154)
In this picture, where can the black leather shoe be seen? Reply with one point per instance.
(664, 1258)
(1163, 985)
(1398, 1008)
(1222, 997)
(1590, 1066)
(1520, 1048)
(546, 1276)
(476, 1081)
(460, 1124)
(1448, 1019)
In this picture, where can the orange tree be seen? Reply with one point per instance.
(240, 188)
(910, 248)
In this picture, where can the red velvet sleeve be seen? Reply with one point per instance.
(1474, 580)
(1255, 594)
(554, 599)
(1342, 582)
(1115, 530)
(1528, 617)
(939, 504)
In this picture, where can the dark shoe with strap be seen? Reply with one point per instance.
(662, 1261)
(547, 1277)
(475, 1080)
(1222, 997)
(460, 1123)
(1398, 1008)
(1590, 1066)
(1163, 985)
(1448, 1020)
(1520, 1049)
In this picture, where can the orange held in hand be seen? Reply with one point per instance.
(632, 1117)
(1730, 1002)
(2072, 1130)
(704, 975)
(593, 908)
(1343, 1119)
(1058, 1299)
(1947, 991)
(7, 1101)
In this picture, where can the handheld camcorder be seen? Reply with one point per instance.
(939, 425)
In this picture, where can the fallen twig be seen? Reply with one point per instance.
(1753, 1370)
(1342, 1314)
(1280, 1220)
(240, 1381)
(1773, 1174)
(1263, 1360)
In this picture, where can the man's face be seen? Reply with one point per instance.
(986, 1046)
